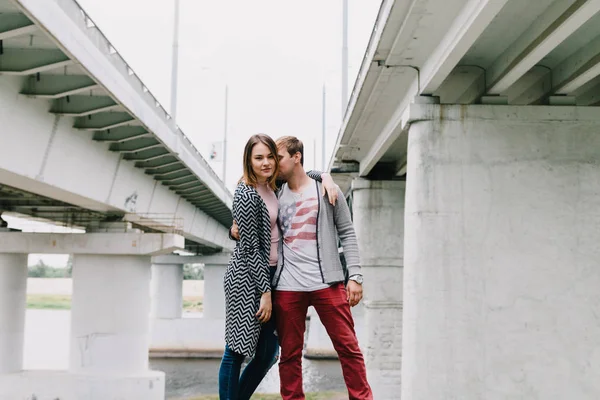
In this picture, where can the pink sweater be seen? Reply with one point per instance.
(270, 200)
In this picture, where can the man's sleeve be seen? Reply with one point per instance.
(347, 235)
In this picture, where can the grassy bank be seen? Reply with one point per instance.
(309, 396)
(63, 302)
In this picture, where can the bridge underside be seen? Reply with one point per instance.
(59, 73)
(469, 152)
(494, 52)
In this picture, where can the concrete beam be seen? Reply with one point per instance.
(170, 174)
(62, 20)
(214, 259)
(475, 16)
(57, 86)
(549, 33)
(186, 185)
(182, 179)
(464, 85)
(81, 106)
(531, 88)
(28, 62)
(148, 155)
(163, 168)
(103, 121)
(121, 133)
(133, 146)
(15, 24)
(91, 243)
(392, 131)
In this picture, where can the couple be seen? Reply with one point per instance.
(287, 242)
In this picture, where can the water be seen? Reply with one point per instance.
(47, 347)
(187, 378)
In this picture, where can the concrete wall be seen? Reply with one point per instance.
(501, 274)
(44, 154)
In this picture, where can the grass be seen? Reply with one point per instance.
(309, 396)
(192, 304)
(63, 302)
(48, 301)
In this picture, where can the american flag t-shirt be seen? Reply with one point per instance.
(298, 213)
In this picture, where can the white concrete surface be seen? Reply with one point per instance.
(214, 295)
(91, 243)
(378, 211)
(53, 385)
(77, 179)
(501, 273)
(13, 283)
(166, 291)
(198, 335)
(64, 286)
(110, 314)
(190, 336)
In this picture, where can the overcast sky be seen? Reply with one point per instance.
(275, 56)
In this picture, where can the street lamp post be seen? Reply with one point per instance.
(175, 62)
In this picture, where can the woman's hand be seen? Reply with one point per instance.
(329, 188)
(264, 311)
(235, 231)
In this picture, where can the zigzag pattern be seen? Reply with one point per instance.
(247, 275)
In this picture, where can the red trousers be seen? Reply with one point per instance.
(334, 312)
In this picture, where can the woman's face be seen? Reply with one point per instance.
(263, 162)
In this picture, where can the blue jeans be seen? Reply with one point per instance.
(234, 387)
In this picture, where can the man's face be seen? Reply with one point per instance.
(286, 163)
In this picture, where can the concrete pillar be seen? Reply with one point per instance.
(13, 285)
(378, 210)
(110, 314)
(214, 295)
(167, 291)
(190, 336)
(501, 291)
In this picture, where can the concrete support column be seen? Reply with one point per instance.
(13, 285)
(378, 212)
(214, 296)
(110, 314)
(167, 291)
(501, 295)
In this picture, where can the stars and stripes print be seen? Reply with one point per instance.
(247, 275)
(299, 222)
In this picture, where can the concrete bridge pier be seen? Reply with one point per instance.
(167, 290)
(109, 316)
(13, 292)
(177, 335)
(502, 238)
(378, 212)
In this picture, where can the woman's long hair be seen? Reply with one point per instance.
(249, 177)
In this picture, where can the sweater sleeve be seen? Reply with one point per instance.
(345, 230)
(246, 210)
(316, 175)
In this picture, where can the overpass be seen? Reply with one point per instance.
(469, 151)
(86, 145)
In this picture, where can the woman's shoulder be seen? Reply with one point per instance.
(244, 190)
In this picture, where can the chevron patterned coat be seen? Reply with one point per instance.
(247, 275)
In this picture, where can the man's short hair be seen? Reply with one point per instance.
(292, 145)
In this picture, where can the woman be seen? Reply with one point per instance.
(249, 328)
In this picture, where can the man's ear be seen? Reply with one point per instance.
(297, 157)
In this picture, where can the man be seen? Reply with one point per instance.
(309, 272)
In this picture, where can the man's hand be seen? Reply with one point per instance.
(264, 311)
(235, 231)
(354, 293)
(329, 188)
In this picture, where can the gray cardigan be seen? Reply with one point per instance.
(332, 222)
